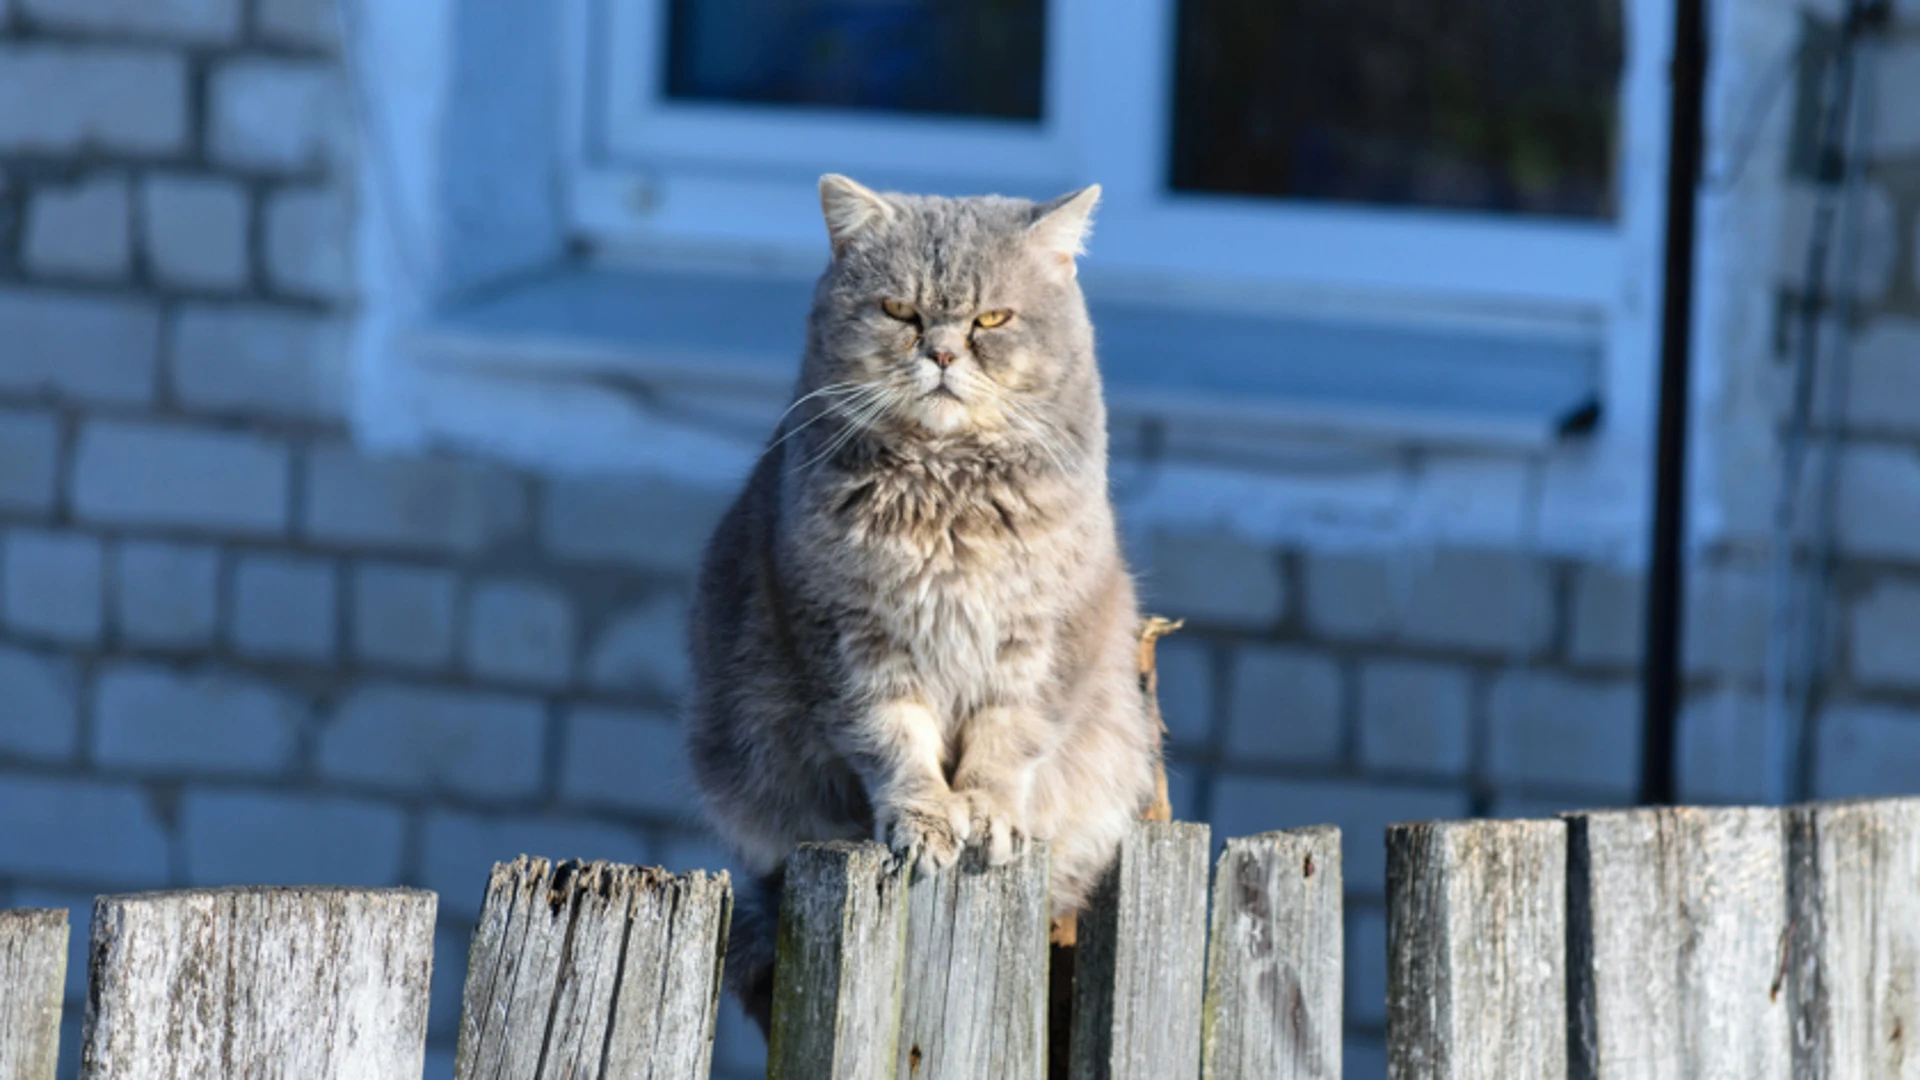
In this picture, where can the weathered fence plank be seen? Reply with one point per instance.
(33, 975)
(593, 969)
(975, 1001)
(307, 983)
(1273, 1001)
(1476, 949)
(1854, 908)
(1677, 937)
(842, 955)
(1142, 959)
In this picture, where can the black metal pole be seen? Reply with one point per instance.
(1660, 670)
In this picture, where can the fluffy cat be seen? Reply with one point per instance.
(916, 614)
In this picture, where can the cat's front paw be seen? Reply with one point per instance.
(994, 825)
(929, 833)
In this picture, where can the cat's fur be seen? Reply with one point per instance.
(916, 614)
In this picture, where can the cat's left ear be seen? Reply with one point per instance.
(1060, 227)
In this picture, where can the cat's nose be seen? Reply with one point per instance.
(942, 357)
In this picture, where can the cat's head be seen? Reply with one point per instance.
(952, 315)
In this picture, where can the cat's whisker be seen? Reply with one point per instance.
(860, 419)
(850, 401)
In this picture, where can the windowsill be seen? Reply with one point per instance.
(1334, 378)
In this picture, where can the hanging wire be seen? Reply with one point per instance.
(1761, 99)
(1794, 600)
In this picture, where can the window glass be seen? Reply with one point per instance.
(1492, 105)
(977, 58)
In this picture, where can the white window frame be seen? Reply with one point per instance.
(653, 177)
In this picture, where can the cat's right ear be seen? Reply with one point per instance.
(850, 209)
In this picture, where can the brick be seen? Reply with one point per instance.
(166, 594)
(1884, 628)
(684, 851)
(1492, 602)
(1879, 502)
(460, 850)
(1720, 756)
(413, 504)
(164, 475)
(1367, 967)
(81, 231)
(448, 991)
(61, 99)
(1866, 750)
(1727, 613)
(625, 760)
(29, 459)
(1364, 1055)
(80, 831)
(254, 838)
(651, 524)
(403, 615)
(1187, 694)
(309, 238)
(1883, 376)
(644, 648)
(53, 586)
(151, 719)
(1415, 717)
(283, 608)
(200, 21)
(251, 361)
(275, 115)
(39, 719)
(310, 24)
(415, 738)
(1246, 805)
(196, 231)
(1876, 257)
(1547, 807)
(1609, 616)
(1896, 130)
(90, 349)
(522, 632)
(1215, 578)
(1285, 706)
(1549, 730)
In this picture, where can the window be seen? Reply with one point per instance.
(1441, 153)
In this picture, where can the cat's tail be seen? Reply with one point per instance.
(750, 946)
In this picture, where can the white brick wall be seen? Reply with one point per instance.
(135, 100)
(167, 475)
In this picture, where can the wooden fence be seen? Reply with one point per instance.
(1646, 944)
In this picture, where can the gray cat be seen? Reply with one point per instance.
(916, 614)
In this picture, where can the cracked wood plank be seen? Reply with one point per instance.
(594, 969)
(302, 984)
(1853, 893)
(1274, 971)
(842, 956)
(1676, 936)
(33, 976)
(1141, 960)
(1476, 950)
(975, 1003)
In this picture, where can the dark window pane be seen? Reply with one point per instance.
(1501, 105)
(955, 57)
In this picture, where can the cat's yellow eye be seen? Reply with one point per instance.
(899, 309)
(990, 319)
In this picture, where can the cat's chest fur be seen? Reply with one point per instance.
(956, 566)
